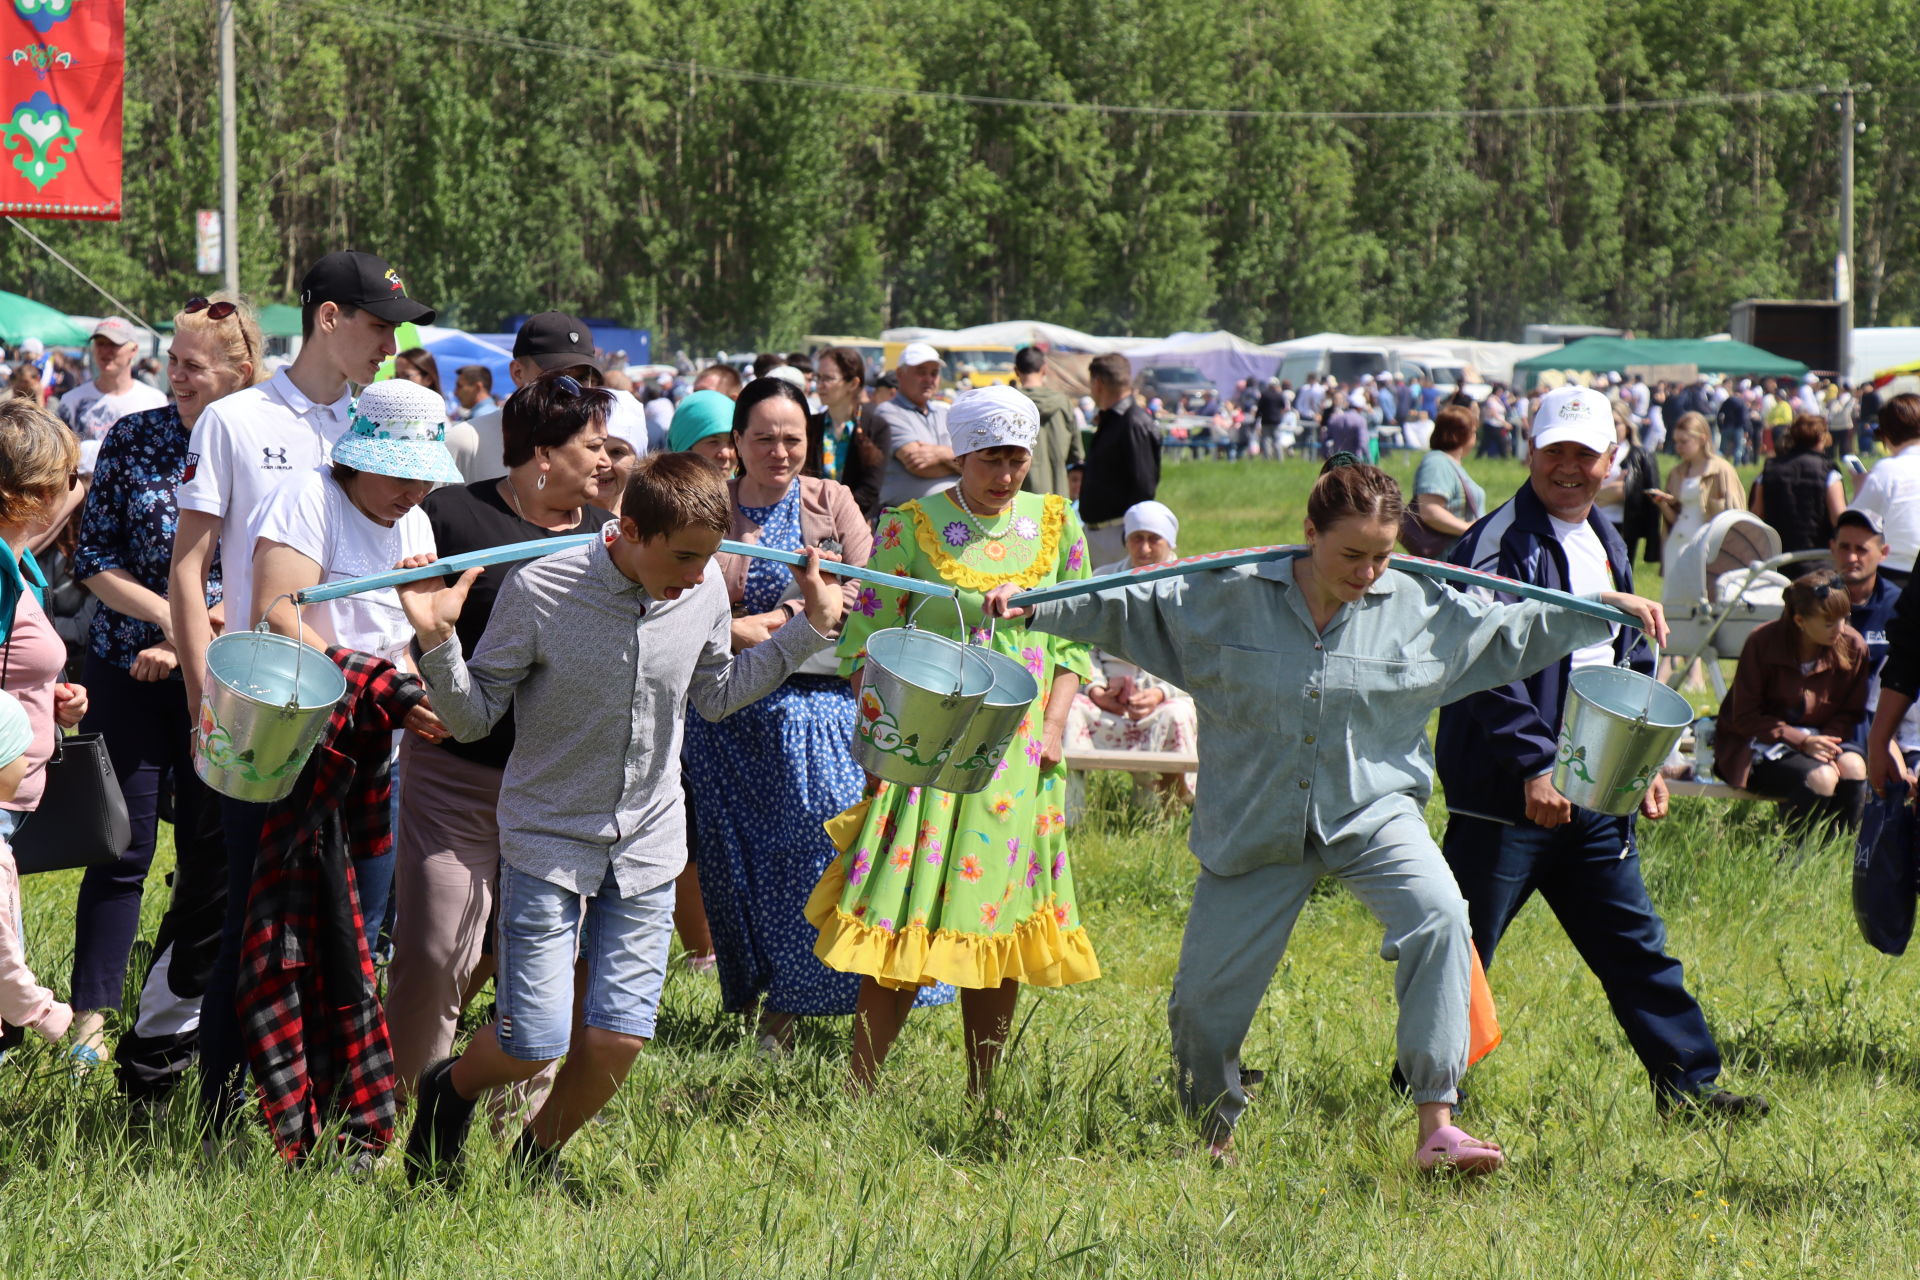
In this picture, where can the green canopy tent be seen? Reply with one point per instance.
(23, 318)
(280, 320)
(1602, 355)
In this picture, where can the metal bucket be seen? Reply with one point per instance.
(917, 694)
(1618, 730)
(266, 703)
(993, 726)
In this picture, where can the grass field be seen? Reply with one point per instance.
(713, 1164)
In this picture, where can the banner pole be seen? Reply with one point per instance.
(229, 151)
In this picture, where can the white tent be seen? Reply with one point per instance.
(1015, 333)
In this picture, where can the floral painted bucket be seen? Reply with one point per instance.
(1618, 729)
(991, 730)
(918, 694)
(266, 702)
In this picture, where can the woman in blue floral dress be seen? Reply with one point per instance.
(766, 778)
(973, 890)
(139, 702)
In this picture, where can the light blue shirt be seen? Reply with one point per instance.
(1307, 734)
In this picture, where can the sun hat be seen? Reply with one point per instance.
(701, 414)
(1152, 517)
(993, 417)
(1578, 414)
(398, 428)
(16, 734)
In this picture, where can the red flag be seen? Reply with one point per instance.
(62, 73)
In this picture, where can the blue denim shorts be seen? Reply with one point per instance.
(621, 942)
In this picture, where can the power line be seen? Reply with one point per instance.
(506, 40)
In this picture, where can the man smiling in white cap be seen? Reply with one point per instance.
(1510, 833)
(920, 457)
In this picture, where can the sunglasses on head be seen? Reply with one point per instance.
(568, 383)
(219, 311)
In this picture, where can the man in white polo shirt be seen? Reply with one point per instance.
(243, 448)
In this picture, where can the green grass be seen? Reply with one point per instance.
(711, 1163)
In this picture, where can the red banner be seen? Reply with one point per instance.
(62, 71)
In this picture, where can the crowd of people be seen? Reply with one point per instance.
(542, 770)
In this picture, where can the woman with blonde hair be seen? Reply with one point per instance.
(1702, 486)
(125, 547)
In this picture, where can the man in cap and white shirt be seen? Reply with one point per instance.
(93, 407)
(243, 448)
(551, 342)
(1510, 833)
(913, 430)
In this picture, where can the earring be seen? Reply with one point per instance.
(541, 483)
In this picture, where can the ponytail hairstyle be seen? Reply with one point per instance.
(1351, 489)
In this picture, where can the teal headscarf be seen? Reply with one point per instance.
(702, 414)
(16, 735)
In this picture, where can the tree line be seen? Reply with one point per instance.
(513, 155)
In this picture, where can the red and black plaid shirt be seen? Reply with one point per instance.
(316, 1035)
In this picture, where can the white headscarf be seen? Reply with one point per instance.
(993, 418)
(1152, 517)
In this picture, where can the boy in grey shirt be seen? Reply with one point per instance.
(598, 649)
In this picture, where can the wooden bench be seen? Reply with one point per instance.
(1182, 762)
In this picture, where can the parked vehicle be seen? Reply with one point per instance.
(1346, 363)
(1171, 382)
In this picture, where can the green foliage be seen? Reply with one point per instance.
(592, 170)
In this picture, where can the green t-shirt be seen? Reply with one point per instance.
(1440, 474)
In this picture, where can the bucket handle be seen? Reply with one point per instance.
(960, 619)
(1653, 647)
(300, 651)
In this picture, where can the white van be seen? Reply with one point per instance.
(1348, 364)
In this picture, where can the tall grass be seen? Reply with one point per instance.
(712, 1163)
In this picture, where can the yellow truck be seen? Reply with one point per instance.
(966, 367)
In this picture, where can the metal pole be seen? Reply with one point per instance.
(229, 156)
(1843, 269)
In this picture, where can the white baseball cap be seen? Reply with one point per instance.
(917, 354)
(1579, 414)
(116, 329)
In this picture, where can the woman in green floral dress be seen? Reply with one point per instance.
(975, 890)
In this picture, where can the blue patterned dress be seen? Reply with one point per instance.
(763, 781)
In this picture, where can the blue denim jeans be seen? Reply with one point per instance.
(621, 942)
(1588, 871)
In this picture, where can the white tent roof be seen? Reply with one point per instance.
(1014, 333)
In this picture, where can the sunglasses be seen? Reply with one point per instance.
(219, 311)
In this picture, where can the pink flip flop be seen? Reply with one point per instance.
(1454, 1150)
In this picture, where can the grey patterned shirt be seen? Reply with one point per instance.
(599, 676)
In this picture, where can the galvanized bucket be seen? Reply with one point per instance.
(994, 724)
(918, 691)
(266, 703)
(1618, 730)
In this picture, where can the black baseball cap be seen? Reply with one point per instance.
(362, 280)
(555, 340)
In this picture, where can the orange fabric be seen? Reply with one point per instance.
(1483, 1022)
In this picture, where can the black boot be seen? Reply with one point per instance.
(533, 1163)
(1850, 805)
(440, 1120)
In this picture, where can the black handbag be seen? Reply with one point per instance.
(81, 819)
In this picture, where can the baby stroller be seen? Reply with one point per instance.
(1720, 587)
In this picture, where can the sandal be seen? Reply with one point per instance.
(1454, 1150)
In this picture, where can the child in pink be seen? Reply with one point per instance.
(23, 1001)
